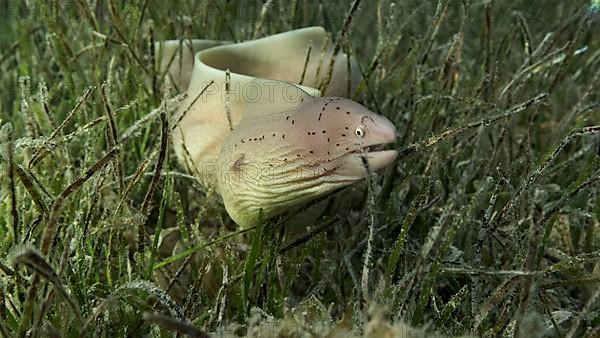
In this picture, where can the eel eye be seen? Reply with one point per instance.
(359, 131)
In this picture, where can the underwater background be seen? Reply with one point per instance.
(487, 225)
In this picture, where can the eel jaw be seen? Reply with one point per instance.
(380, 159)
(351, 165)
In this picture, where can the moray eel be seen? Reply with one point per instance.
(269, 143)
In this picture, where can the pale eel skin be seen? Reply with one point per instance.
(284, 145)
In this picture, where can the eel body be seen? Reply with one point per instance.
(262, 140)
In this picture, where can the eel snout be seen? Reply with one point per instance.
(379, 133)
(382, 132)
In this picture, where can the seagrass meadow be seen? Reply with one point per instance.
(487, 225)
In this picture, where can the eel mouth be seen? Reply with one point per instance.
(377, 158)
(382, 134)
(352, 163)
